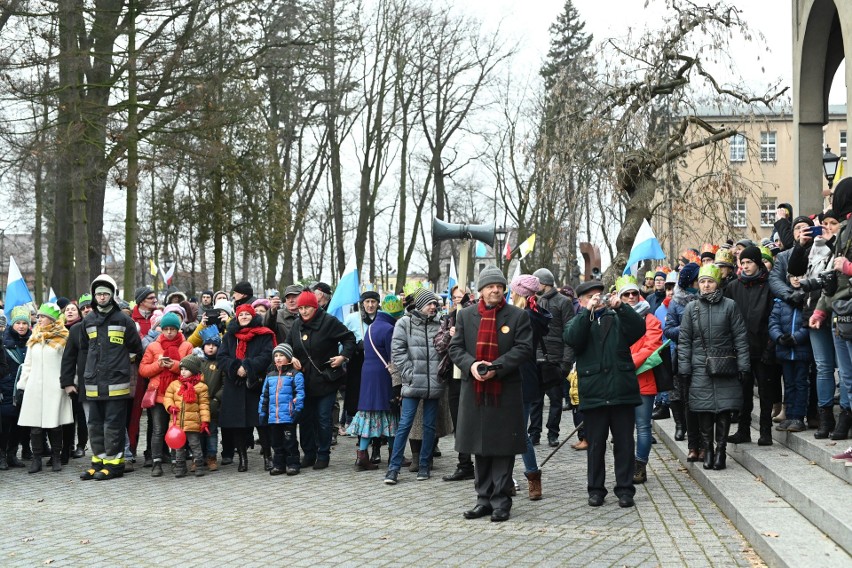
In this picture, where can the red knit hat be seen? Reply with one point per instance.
(307, 298)
(246, 308)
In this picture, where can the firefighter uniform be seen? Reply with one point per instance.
(110, 340)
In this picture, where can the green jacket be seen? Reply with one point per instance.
(605, 370)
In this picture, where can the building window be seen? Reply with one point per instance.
(768, 205)
(767, 146)
(842, 143)
(738, 148)
(738, 212)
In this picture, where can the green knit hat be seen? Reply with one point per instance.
(392, 305)
(19, 313)
(192, 364)
(50, 310)
(766, 255)
(85, 300)
(170, 320)
(710, 271)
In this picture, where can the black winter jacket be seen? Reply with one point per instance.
(241, 395)
(754, 301)
(74, 361)
(316, 341)
(109, 340)
(562, 311)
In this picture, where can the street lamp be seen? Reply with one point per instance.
(829, 165)
(500, 234)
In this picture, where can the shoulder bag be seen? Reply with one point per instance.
(328, 373)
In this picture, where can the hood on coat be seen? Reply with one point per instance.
(682, 297)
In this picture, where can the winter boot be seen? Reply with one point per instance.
(157, 468)
(13, 460)
(844, 422)
(706, 421)
(91, 471)
(199, 466)
(243, 455)
(180, 463)
(376, 454)
(110, 471)
(826, 422)
(765, 436)
(57, 460)
(362, 462)
(661, 412)
(415, 462)
(211, 464)
(679, 418)
(149, 461)
(4, 465)
(266, 452)
(723, 427)
(640, 475)
(534, 481)
(35, 464)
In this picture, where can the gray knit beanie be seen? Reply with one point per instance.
(492, 275)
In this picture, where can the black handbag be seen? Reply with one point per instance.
(842, 318)
(663, 373)
(720, 363)
(327, 373)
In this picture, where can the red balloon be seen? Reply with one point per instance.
(175, 437)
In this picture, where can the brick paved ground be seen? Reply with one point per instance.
(345, 518)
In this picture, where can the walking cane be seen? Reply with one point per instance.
(559, 447)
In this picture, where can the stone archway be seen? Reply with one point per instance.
(822, 33)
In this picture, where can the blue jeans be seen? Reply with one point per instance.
(843, 351)
(315, 426)
(530, 463)
(643, 427)
(795, 388)
(822, 345)
(406, 419)
(213, 439)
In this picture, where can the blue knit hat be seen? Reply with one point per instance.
(688, 274)
(210, 335)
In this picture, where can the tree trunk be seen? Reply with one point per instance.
(131, 221)
(637, 210)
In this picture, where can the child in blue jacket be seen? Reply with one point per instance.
(281, 401)
(788, 329)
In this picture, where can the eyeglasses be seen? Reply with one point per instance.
(103, 294)
(631, 293)
(151, 298)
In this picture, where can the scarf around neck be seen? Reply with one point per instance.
(246, 334)
(53, 335)
(487, 392)
(713, 297)
(187, 388)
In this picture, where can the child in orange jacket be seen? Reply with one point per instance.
(161, 364)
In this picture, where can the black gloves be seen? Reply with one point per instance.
(19, 398)
(797, 297)
(787, 340)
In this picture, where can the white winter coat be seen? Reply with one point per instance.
(45, 403)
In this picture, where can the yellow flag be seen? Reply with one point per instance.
(527, 246)
(153, 268)
(839, 175)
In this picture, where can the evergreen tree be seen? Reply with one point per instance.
(568, 45)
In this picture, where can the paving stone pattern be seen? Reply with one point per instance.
(343, 518)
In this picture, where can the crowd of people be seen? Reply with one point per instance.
(221, 375)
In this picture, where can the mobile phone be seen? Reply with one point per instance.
(816, 231)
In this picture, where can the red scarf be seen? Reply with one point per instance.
(170, 350)
(187, 388)
(246, 334)
(487, 392)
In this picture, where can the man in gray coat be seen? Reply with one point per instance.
(554, 359)
(492, 340)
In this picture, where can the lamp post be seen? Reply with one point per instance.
(500, 234)
(829, 165)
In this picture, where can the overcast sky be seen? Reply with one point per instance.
(528, 22)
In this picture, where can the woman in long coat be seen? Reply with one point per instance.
(245, 356)
(375, 419)
(712, 323)
(45, 404)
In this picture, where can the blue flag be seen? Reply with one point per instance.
(17, 293)
(645, 247)
(348, 290)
